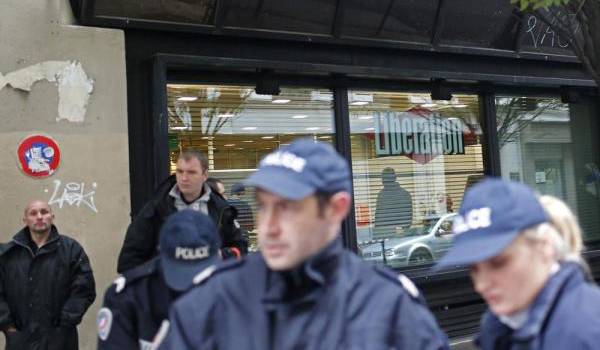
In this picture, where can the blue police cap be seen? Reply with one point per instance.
(237, 188)
(189, 243)
(301, 169)
(493, 213)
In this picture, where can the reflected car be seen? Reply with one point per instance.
(414, 246)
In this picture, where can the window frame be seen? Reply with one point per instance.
(168, 68)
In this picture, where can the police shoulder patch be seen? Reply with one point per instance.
(408, 285)
(146, 269)
(203, 275)
(404, 281)
(120, 284)
(104, 323)
(212, 270)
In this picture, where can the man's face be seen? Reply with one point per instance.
(510, 281)
(221, 189)
(190, 177)
(38, 217)
(290, 231)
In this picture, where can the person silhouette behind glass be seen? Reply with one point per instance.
(394, 206)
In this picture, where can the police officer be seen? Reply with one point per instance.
(524, 255)
(138, 302)
(304, 290)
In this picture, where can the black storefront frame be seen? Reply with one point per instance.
(450, 294)
(339, 85)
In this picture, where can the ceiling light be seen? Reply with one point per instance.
(253, 96)
(240, 148)
(187, 98)
(267, 137)
(459, 106)
(226, 115)
(281, 101)
(365, 117)
(325, 137)
(229, 145)
(207, 137)
(313, 128)
(249, 128)
(248, 141)
(369, 129)
(359, 103)
(179, 127)
(300, 116)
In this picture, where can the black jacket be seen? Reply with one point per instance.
(141, 239)
(332, 301)
(44, 294)
(134, 308)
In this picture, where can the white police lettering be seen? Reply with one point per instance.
(191, 253)
(474, 219)
(285, 159)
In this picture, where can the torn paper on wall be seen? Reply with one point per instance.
(74, 86)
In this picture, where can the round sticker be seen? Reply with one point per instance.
(39, 156)
(104, 322)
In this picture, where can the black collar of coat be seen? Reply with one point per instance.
(303, 282)
(23, 239)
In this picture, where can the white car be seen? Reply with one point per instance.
(413, 246)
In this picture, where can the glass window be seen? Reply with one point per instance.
(394, 21)
(550, 146)
(185, 11)
(307, 16)
(412, 159)
(468, 23)
(235, 128)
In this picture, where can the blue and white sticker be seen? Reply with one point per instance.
(104, 323)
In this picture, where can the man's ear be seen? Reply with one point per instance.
(339, 205)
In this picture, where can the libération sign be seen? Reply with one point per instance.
(414, 133)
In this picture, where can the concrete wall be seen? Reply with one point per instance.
(94, 150)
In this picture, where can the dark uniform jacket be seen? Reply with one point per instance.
(565, 315)
(332, 301)
(134, 308)
(141, 240)
(44, 294)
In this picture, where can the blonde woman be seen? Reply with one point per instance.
(524, 255)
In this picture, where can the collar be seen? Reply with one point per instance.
(569, 274)
(301, 283)
(519, 319)
(205, 197)
(23, 238)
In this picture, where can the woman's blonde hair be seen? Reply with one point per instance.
(563, 229)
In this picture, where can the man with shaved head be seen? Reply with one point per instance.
(46, 284)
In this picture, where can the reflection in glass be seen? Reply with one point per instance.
(393, 20)
(183, 11)
(494, 25)
(307, 16)
(412, 159)
(235, 128)
(547, 144)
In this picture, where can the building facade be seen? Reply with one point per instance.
(424, 98)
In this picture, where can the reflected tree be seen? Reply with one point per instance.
(516, 113)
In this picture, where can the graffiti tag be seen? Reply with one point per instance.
(73, 194)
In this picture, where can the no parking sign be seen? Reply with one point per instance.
(39, 156)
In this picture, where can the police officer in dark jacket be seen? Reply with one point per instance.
(138, 302)
(304, 290)
(46, 285)
(524, 254)
(186, 190)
